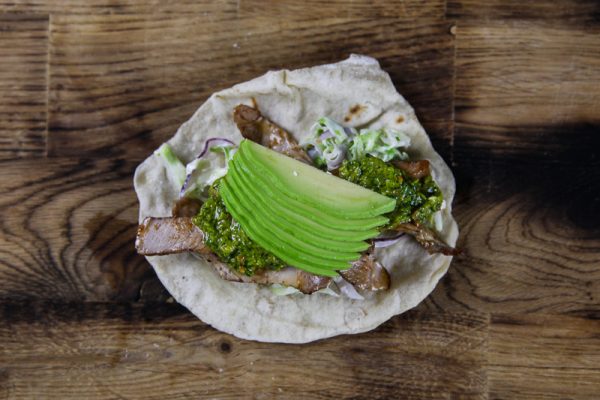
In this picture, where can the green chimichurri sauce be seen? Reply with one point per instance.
(416, 199)
(226, 238)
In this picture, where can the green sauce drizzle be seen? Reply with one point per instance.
(416, 199)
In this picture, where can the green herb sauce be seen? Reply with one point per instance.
(416, 199)
(226, 238)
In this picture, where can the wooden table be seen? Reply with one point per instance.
(509, 91)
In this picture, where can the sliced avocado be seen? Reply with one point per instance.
(301, 226)
(284, 251)
(273, 232)
(310, 220)
(272, 247)
(307, 211)
(290, 231)
(314, 187)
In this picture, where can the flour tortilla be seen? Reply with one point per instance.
(295, 100)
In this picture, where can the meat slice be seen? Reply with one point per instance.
(259, 129)
(367, 273)
(186, 207)
(171, 235)
(427, 239)
(415, 169)
(305, 282)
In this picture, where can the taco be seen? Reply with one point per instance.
(299, 205)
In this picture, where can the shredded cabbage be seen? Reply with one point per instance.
(194, 178)
(175, 168)
(330, 143)
(204, 171)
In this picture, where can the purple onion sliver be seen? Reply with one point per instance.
(207, 145)
(211, 140)
(326, 135)
(313, 152)
(349, 131)
(186, 183)
(347, 289)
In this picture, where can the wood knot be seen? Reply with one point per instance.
(225, 347)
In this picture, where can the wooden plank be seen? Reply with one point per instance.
(159, 351)
(23, 62)
(501, 67)
(544, 357)
(565, 12)
(122, 94)
(290, 9)
(529, 244)
(67, 231)
(526, 161)
(528, 76)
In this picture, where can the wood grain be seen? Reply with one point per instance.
(67, 229)
(572, 13)
(555, 71)
(528, 246)
(117, 78)
(122, 95)
(525, 153)
(543, 357)
(159, 351)
(404, 10)
(23, 89)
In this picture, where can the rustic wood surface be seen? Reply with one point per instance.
(508, 91)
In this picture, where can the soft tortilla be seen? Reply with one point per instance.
(295, 100)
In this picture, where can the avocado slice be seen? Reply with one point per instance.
(298, 212)
(276, 233)
(314, 187)
(318, 216)
(289, 231)
(289, 254)
(301, 226)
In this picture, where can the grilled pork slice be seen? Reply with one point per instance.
(259, 129)
(186, 207)
(415, 169)
(305, 282)
(427, 239)
(367, 273)
(170, 235)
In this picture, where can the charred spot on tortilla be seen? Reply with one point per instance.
(354, 111)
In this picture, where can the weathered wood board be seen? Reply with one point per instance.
(508, 91)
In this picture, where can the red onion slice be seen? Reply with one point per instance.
(213, 142)
(347, 289)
